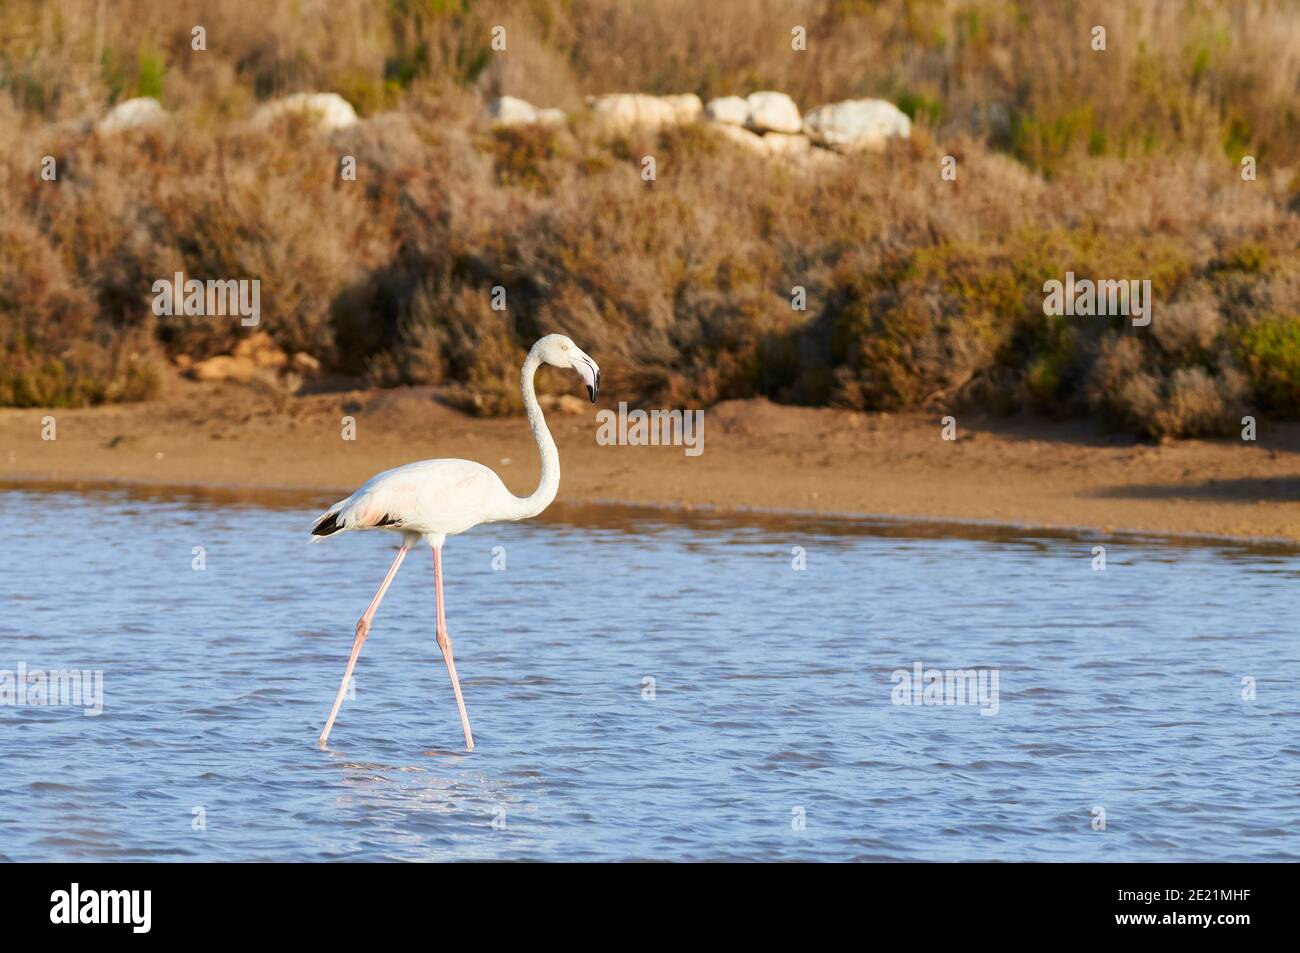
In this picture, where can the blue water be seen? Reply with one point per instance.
(770, 733)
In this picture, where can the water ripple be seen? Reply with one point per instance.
(685, 694)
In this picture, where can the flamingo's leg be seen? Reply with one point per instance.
(444, 643)
(363, 629)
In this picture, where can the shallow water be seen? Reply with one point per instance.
(772, 697)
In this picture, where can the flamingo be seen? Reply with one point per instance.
(433, 499)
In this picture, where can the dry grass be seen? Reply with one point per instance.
(920, 292)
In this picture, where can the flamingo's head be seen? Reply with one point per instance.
(559, 351)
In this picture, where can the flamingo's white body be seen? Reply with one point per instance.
(428, 498)
(434, 499)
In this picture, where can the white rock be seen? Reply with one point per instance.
(686, 107)
(330, 110)
(784, 144)
(510, 111)
(772, 112)
(625, 110)
(145, 111)
(552, 117)
(857, 124)
(622, 111)
(742, 137)
(773, 144)
(731, 110)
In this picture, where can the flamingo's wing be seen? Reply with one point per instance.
(432, 496)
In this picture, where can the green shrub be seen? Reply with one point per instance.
(1270, 352)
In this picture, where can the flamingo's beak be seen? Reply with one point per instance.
(590, 374)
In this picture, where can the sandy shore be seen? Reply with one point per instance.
(756, 455)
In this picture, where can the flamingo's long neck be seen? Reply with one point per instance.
(549, 485)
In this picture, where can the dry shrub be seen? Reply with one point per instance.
(1198, 404)
(1119, 386)
(1188, 327)
(52, 352)
(919, 292)
(1190, 402)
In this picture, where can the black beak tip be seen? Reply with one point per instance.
(592, 391)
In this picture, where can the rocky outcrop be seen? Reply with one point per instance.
(255, 357)
(792, 146)
(132, 114)
(786, 144)
(329, 111)
(765, 123)
(626, 111)
(512, 111)
(685, 107)
(730, 110)
(773, 112)
(857, 124)
(741, 137)
(223, 367)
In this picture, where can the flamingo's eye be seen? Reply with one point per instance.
(564, 347)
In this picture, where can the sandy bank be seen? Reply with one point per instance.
(756, 455)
